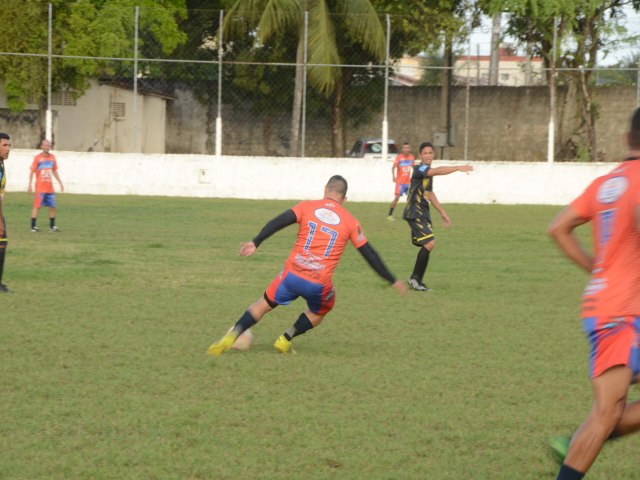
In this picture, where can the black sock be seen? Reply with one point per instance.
(246, 321)
(568, 473)
(52, 222)
(3, 249)
(422, 261)
(391, 211)
(302, 325)
(33, 223)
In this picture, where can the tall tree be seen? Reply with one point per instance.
(587, 26)
(359, 25)
(99, 28)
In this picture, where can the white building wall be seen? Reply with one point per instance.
(293, 178)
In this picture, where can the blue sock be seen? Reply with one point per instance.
(246, 321)
(302, 325)
(568, 473)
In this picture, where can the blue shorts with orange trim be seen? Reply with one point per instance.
(613, 343)
(402, 188)
(286, 287)
(45, 200)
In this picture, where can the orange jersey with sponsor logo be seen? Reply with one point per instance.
(325, 229)
(404, 167)
(610, 203)
(44, 166)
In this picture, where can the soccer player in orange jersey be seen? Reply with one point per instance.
(401, 175)
(325, 228)
(5, 148)
(44, 168)
(610, 304)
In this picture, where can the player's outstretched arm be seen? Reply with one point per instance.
(283, 220)
(444, 170)
(373, 259)
(561, 231)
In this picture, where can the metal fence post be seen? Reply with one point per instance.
(385, 122)
(49, 114)
(304, 85)
(552, 95)
(638, 86)
(466, 104)
(135, 82)
(219, 117)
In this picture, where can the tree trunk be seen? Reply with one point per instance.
(337, 129)
(297, 101)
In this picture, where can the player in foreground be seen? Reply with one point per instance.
(610, 304)
(325, 228)
(417, 213)
(44, 167)
(401, 175)
(5, 148)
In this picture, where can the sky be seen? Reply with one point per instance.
(480, 39)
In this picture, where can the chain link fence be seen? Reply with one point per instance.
(135, 80)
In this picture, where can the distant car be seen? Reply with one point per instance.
(372, 148)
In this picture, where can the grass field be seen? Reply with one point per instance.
(104, 373)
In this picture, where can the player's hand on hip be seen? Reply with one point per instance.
(247, 249)
(400, 287)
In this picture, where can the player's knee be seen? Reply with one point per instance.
(609, 413)
(431, 245)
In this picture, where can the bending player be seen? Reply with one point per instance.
(325, 228)
(610, 304)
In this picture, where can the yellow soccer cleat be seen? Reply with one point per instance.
(225, 343)
(283, 345)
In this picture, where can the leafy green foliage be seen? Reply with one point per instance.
(98, 28)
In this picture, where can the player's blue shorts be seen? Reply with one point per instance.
(45, 200)
(402, 188)
(614, 342)
(286, 287)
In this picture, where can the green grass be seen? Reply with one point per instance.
(103, 371)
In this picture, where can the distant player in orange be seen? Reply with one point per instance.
(325, 228)
(401, 174)
(44, 168)
(610, 304)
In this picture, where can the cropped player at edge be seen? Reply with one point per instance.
(325, 228)
(610, 305)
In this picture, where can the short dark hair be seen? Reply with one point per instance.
(634, 130)
(426, 144)
(406, 143)
(338, 184)
(4, 136)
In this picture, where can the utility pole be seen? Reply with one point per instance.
(495, 49)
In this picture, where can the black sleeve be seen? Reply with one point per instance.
(373, 259)
(278, 223)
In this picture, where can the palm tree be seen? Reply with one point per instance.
(267, 18)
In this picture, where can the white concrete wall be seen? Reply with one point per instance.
(287, 178)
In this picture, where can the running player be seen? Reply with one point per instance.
(325, 228)
(44, 167)
(417, 210)
(5, 148)
(401, 174)
(610, 304)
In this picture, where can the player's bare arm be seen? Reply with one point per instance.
(393, 173)
(2, 232)
(433, 198)
(55, 174)
(561, 231)
(446, 170)
(30, 189)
